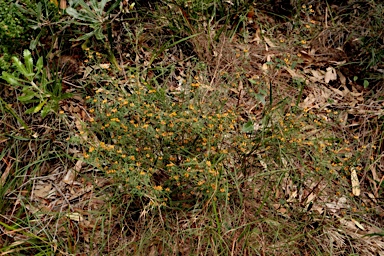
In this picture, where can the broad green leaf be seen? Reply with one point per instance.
(45, 111)
(10, 78)
(102, 4)
(39, 11)
(20, 66)
(366, 83)
(44, 80)
(14, 114)
(39, 64)
(99, 34)
(113, 6)
(261, 98)
(248, 127)
(83, 37)
(30, 110)
(54, 105)
(87, 9)
(72, 12)
(27, 97)
(65, 96)
(33, 43)
(263, 92)
(84, 17)
(28, 61)
(38, 107)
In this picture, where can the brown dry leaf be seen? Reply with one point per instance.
(330, 75)
(306, 57)
(293, 73)
(78, 165)
(5, 175)
(308, 102)
(283, 210)
(82, 191)
(69, 177)
(334, 207)
(42, 190)
(348, 224)
(265, 166)
(343, 80)
(372, 197)
(96, 203)
(310, 198)
(32, 209)
(341, 93)
(105, 65)
(88, 70)
(292, 196)
(265, 67)
(355, 182)
(318, 208)
(79, 126)
(358, 224)
(317, 75)
(314, 189)
(269, 42)
(257, 37)
(63, 4)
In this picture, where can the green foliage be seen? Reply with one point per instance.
(12, 30)
(12, 21)
(36, 86)
(93, 15)
(161, 148)
(17, 24)
(96, 18)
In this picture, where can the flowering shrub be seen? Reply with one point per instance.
(162, 147)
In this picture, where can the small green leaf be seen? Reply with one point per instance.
(30, 110)
(39, 64)
(99, 33)
(116, 4)
(26, 97)
(366, 84)
(102, 4)
(28, 61)
(38, 107)
(86, 9)
(11, 79)
(39, 11)
(261, 98)
(65, 96)
(355, 78)
(248, 127)
(20, 66)
(33, 43)
(45, 111)
(89, 16)
(83, 37)
(72, 12)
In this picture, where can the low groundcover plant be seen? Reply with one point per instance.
(161, 147)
